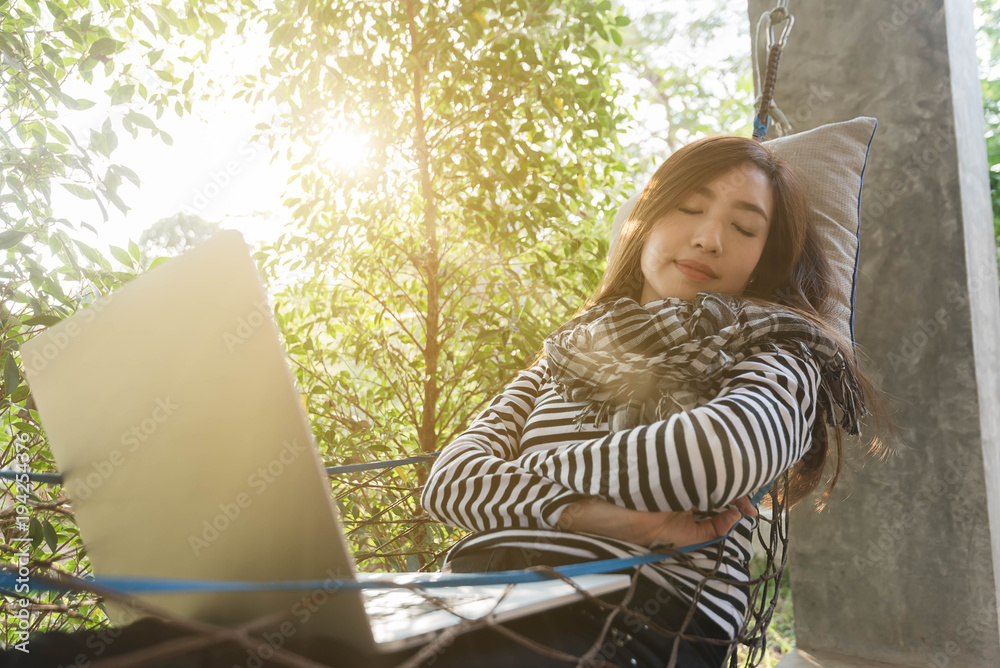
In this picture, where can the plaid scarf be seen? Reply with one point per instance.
(641, 363)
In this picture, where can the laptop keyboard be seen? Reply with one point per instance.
(385, 603)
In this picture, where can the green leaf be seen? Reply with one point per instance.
(58, 134)
(77, 104)
(43, 320)
(51, 537)
(11, 238)
(35, 532)
(217, 24)
(26, 426)
(111, 140)
(11, 377)
(20, 394)
(133, 249)
(121, 255)
(157, 262)
(73, 35)
(141, 119)
(122, 94)
(103, 47)
(98, 142)
(78, 190)
(167, 15)
(90, 253)
(145, 19)
(127, 173)
(57, 12)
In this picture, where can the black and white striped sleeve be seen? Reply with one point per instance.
(474, 484)
(758, 426)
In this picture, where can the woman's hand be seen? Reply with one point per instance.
(651, 529)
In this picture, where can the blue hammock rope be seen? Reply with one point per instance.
(139, 585)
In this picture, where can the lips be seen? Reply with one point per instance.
(695, 270)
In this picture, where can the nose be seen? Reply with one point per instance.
(708, 236)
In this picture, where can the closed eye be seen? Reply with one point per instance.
(688, 211)
(744, 231)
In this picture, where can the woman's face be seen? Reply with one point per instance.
(712, 241)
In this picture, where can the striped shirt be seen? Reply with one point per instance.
(525, 458)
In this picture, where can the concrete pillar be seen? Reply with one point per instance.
(902, 569)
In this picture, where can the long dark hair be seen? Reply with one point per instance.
(793, 272)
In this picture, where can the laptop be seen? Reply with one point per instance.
(186, 453)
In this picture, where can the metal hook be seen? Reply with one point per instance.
(784, 32)
(778, 15)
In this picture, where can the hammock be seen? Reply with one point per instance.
(762, 589)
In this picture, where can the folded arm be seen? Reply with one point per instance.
(474, 484)
(758, 426)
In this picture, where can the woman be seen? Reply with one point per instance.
(699, 372)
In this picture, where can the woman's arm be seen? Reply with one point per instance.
(597, 516)
(706, 458)
(473, 483)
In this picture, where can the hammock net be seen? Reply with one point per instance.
(387, 531)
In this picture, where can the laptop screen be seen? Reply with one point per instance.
(185, 450)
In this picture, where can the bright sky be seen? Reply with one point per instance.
(214, 170)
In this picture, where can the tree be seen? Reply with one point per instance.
(173, 235)
(478, 222)
(681, 94)
(50, 52)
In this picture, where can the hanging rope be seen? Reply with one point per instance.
(764, 104)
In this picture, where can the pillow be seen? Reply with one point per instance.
(830, 161)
